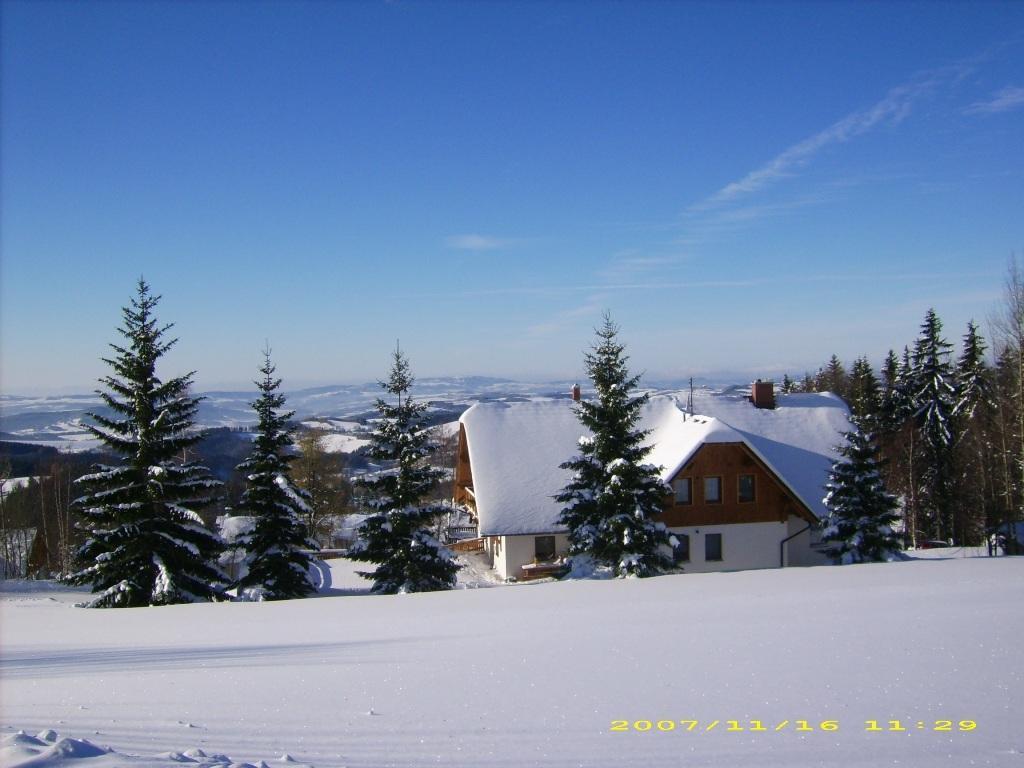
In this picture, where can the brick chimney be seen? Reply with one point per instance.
(576, 392)
(762, 394)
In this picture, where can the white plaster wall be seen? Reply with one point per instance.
(513, 552)
(744, 546)
(801, 550)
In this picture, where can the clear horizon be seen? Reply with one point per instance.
(747, 188)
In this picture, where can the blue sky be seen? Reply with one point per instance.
(748, 188)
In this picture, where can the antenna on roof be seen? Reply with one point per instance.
(689, 399)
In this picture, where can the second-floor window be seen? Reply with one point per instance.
(683, 490)
(712, 490)
(746, 485)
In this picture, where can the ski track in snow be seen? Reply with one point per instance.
(531, 674)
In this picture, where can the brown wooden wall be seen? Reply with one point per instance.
(772, 502)
(463, 472)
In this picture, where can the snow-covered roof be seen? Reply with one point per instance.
(515, 449)
(796, 440)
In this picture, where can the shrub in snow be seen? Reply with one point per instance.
(145, 543)
(275, 566)
(614, 494)
(397, 537)
(862, 512)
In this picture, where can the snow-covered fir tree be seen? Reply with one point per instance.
(891, 409)
(832, 378)
(865, 396)
(973, 378)
(973, 412)
(935, 398)
(145, 543)
(861, 511)
(398, 538)
(275, 566)
(614, 494)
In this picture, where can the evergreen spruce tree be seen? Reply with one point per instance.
(905, 402)
(934, 397)
(145, 543)
(1007, 490)
(788, 385)
(862, 512)
(973, 379)
(865, 394)
(889, 407)
(973, 412)
(275, 565)
(397, 538)
(614, 494)
(832, 378)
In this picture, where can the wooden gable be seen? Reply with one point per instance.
(464, 473)
(772, 501)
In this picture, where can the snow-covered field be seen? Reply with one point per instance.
(342, 443)
(536, 674)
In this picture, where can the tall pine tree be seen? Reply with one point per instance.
(934, 397)
(146, 544)
(890, 408)
(397, 538)
(865, 395)
(973, 379)
(614, 494)
(832, 378)
(973, 412)
(275, 565)
(862, 512)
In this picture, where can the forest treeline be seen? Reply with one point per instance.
(947, 419)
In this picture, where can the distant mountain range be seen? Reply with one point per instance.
(59, 421)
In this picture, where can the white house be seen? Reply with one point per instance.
(747, 479)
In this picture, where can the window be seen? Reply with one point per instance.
(713, 546)
(682, 488)
(544, 548)
(746, 488)
(712, 490)
(681, 550)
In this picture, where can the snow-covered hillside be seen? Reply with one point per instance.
(537, 674)
(60, 421)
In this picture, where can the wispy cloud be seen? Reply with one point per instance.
(474, 242)
(591, 308)
(1010, 97)
(700, 227)
(633, 263)
(892, 109)
(602, 290)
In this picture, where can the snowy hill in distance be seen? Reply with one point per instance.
(59, 421)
